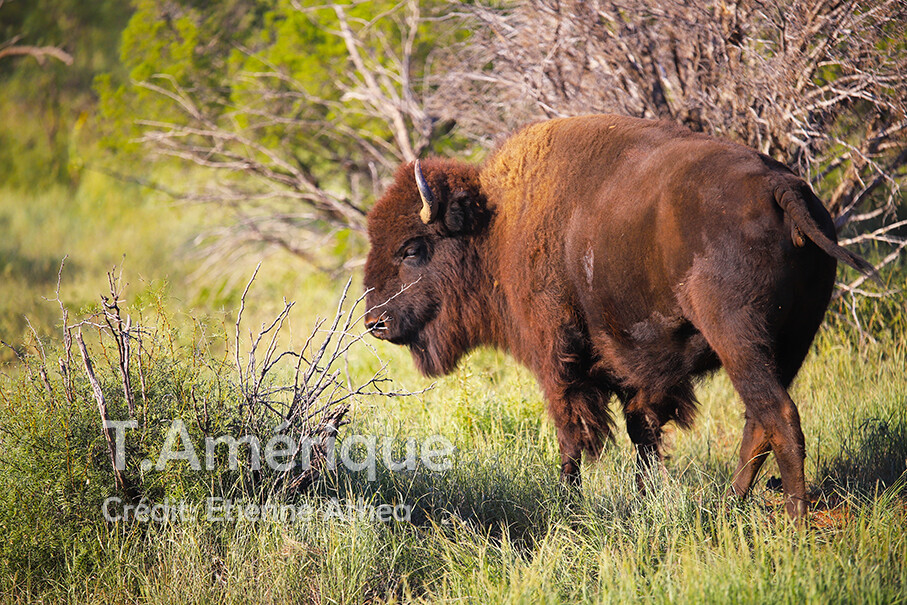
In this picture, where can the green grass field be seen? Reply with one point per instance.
(488, 521)
(495, 527)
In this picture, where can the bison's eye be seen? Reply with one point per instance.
(414, 252)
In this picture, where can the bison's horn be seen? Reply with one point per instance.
(429, 204)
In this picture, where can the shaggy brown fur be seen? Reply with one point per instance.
(615, 257)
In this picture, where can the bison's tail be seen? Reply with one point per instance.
(796, 203)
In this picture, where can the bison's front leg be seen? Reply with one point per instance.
(583, 422)
(644, 426)
(569, 441)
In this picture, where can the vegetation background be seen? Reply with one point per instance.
(178, 143)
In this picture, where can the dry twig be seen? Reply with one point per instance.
(308, 391)
(10, 48)
(102, 410)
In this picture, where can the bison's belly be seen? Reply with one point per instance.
(656, 352)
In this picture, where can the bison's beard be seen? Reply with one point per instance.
(434, 353)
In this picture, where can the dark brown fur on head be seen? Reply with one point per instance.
(415, 272)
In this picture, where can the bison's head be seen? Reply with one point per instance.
(424, 271)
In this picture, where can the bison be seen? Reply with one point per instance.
(620, 257)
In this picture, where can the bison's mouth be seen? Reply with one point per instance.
(378, 326)
(425, 343)
(377, 329)
(381, 327)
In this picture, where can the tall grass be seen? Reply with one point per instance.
(496, 527)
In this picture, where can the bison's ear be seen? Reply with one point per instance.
(456, 218)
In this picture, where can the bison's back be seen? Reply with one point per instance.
(561, 161)
(625, 205)
(622, 217)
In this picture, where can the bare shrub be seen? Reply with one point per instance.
(136, 372)
(307, 391)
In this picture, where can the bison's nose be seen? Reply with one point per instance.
(375, 324)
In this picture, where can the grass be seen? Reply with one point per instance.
(496, 527)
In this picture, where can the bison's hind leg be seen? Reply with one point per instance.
(791, 344)
(739, 329)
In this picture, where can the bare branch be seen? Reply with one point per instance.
(102, 410)
(122, 332)
(39, 53)
(65, 361)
